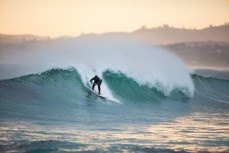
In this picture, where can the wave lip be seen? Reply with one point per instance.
(128, 87)
(148, 65)
(120, 86)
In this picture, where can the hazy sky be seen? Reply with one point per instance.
(71, 17)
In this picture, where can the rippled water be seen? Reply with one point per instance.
(202, 132)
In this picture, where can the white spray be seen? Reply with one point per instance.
(147, 64)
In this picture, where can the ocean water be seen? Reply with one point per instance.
(154, 104)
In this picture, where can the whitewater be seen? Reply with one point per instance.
(155, 103)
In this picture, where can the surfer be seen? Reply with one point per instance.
(97, 81)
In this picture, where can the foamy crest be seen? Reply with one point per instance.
(90, 55)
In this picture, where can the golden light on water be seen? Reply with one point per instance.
(197, 132)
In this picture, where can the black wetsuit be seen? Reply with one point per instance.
(97, 81)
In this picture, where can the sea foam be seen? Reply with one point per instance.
(91, 55)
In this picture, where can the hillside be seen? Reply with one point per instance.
(170, 35)
(208, 47)
(202, 54)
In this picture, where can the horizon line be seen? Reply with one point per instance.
(143, 27)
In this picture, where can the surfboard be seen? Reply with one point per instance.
(89, 87)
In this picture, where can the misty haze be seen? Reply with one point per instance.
(203, 48)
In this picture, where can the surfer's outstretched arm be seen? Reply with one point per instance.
(94, 83)
(92, 79)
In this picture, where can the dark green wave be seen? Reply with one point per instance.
(68, 82)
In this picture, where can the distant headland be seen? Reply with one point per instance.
(160, 35)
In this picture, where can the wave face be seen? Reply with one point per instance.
(68, 84)
(212, 88)
(60, 94)
(59, 85)
(42, 95)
